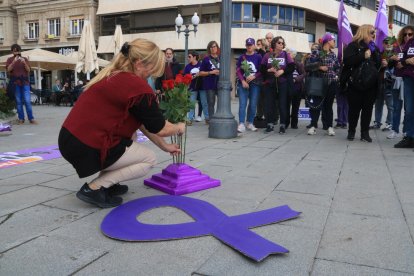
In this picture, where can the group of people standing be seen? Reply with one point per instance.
(366, 75)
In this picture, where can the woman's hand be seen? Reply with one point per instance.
(279, 73)
(173, 149)
(367, 54)
(215, 72)
(323, 68)
(245, 84)
(384, 63)
(250, 78)
(271, 70)
(180, 128)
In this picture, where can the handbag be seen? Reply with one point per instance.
(198, 85)
(316, 86)
(364, 77)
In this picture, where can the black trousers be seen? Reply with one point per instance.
(276, 103)
(293, 108)
(360, 103)
(325, 107)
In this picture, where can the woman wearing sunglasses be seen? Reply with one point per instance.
(361, 99)
(403, 37)
(407, 72)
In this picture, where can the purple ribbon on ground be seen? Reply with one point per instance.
(122, 224)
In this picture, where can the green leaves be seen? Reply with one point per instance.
(176, 103)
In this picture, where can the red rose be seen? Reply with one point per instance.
(187, 79)
(180, 72)
(165, 84)
(390, 26)
(170, 84)
(179, 79)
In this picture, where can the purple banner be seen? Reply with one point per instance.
(344, 30)
(13, 158)
(381, 24)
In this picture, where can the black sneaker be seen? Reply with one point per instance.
(117, 189)
(365, 137)
(269, 128)
(282, 130)
(405, 143)
(294, 126)
(100, 197)
(351, 135)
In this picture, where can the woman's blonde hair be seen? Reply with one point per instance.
(363, 32)
(139, 49)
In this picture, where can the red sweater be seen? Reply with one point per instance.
(101, 118)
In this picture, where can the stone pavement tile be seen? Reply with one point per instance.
(365, 202)
(365, 240)
(314, 208)
(42, 219)
(250, 153)
(307, 178)
(175, 257)
(25, 180)
(71, 203)
(302, 244)
(64, 169)
(267, 144)
(328, 268)
(231, 144)
(23, 169)
(21, 199)
(70, 183)
(241, 188)
(48, 256)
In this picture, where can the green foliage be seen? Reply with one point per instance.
(6, 105)
(245, 66)
(176, 103)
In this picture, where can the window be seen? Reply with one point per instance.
(33, 30)
(53, 27)
(76, 26)
(267, 16)
(109, 23)
(353, 3)
(1, 32)
(401, 17)
(369, 4)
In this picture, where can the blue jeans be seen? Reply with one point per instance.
(384, 95)
(22, 95)
(409, 106)
(396, 113)
(204, 104)
(251, 94)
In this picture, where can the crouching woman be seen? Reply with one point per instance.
(99, 134)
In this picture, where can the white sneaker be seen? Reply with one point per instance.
(241, 128)
(393, 135)
(312, 131)
(198, 119)
(251, 127)
(331, 131)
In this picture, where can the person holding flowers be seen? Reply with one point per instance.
(249, 75)
(275, 66)
(403, 37)
(99, 134)
(210, 69)
(407, 73)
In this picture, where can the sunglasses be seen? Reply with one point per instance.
(408, 34)
(372, 32)
(280, 42)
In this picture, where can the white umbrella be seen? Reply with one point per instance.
(87, 56)
(101, 62)
(118, 39)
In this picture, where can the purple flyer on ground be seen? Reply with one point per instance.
(122, 224)
(8, 159)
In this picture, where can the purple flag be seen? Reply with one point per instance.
(381, 24)
(344, 29)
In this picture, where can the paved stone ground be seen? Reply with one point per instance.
(356, 199)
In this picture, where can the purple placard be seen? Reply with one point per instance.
(122, 224)
(13, 158)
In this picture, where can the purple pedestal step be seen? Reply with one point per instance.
(180, 179)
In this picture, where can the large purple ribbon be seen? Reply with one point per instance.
(121, 223)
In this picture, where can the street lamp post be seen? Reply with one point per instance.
(195, 20)
(223, 125)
